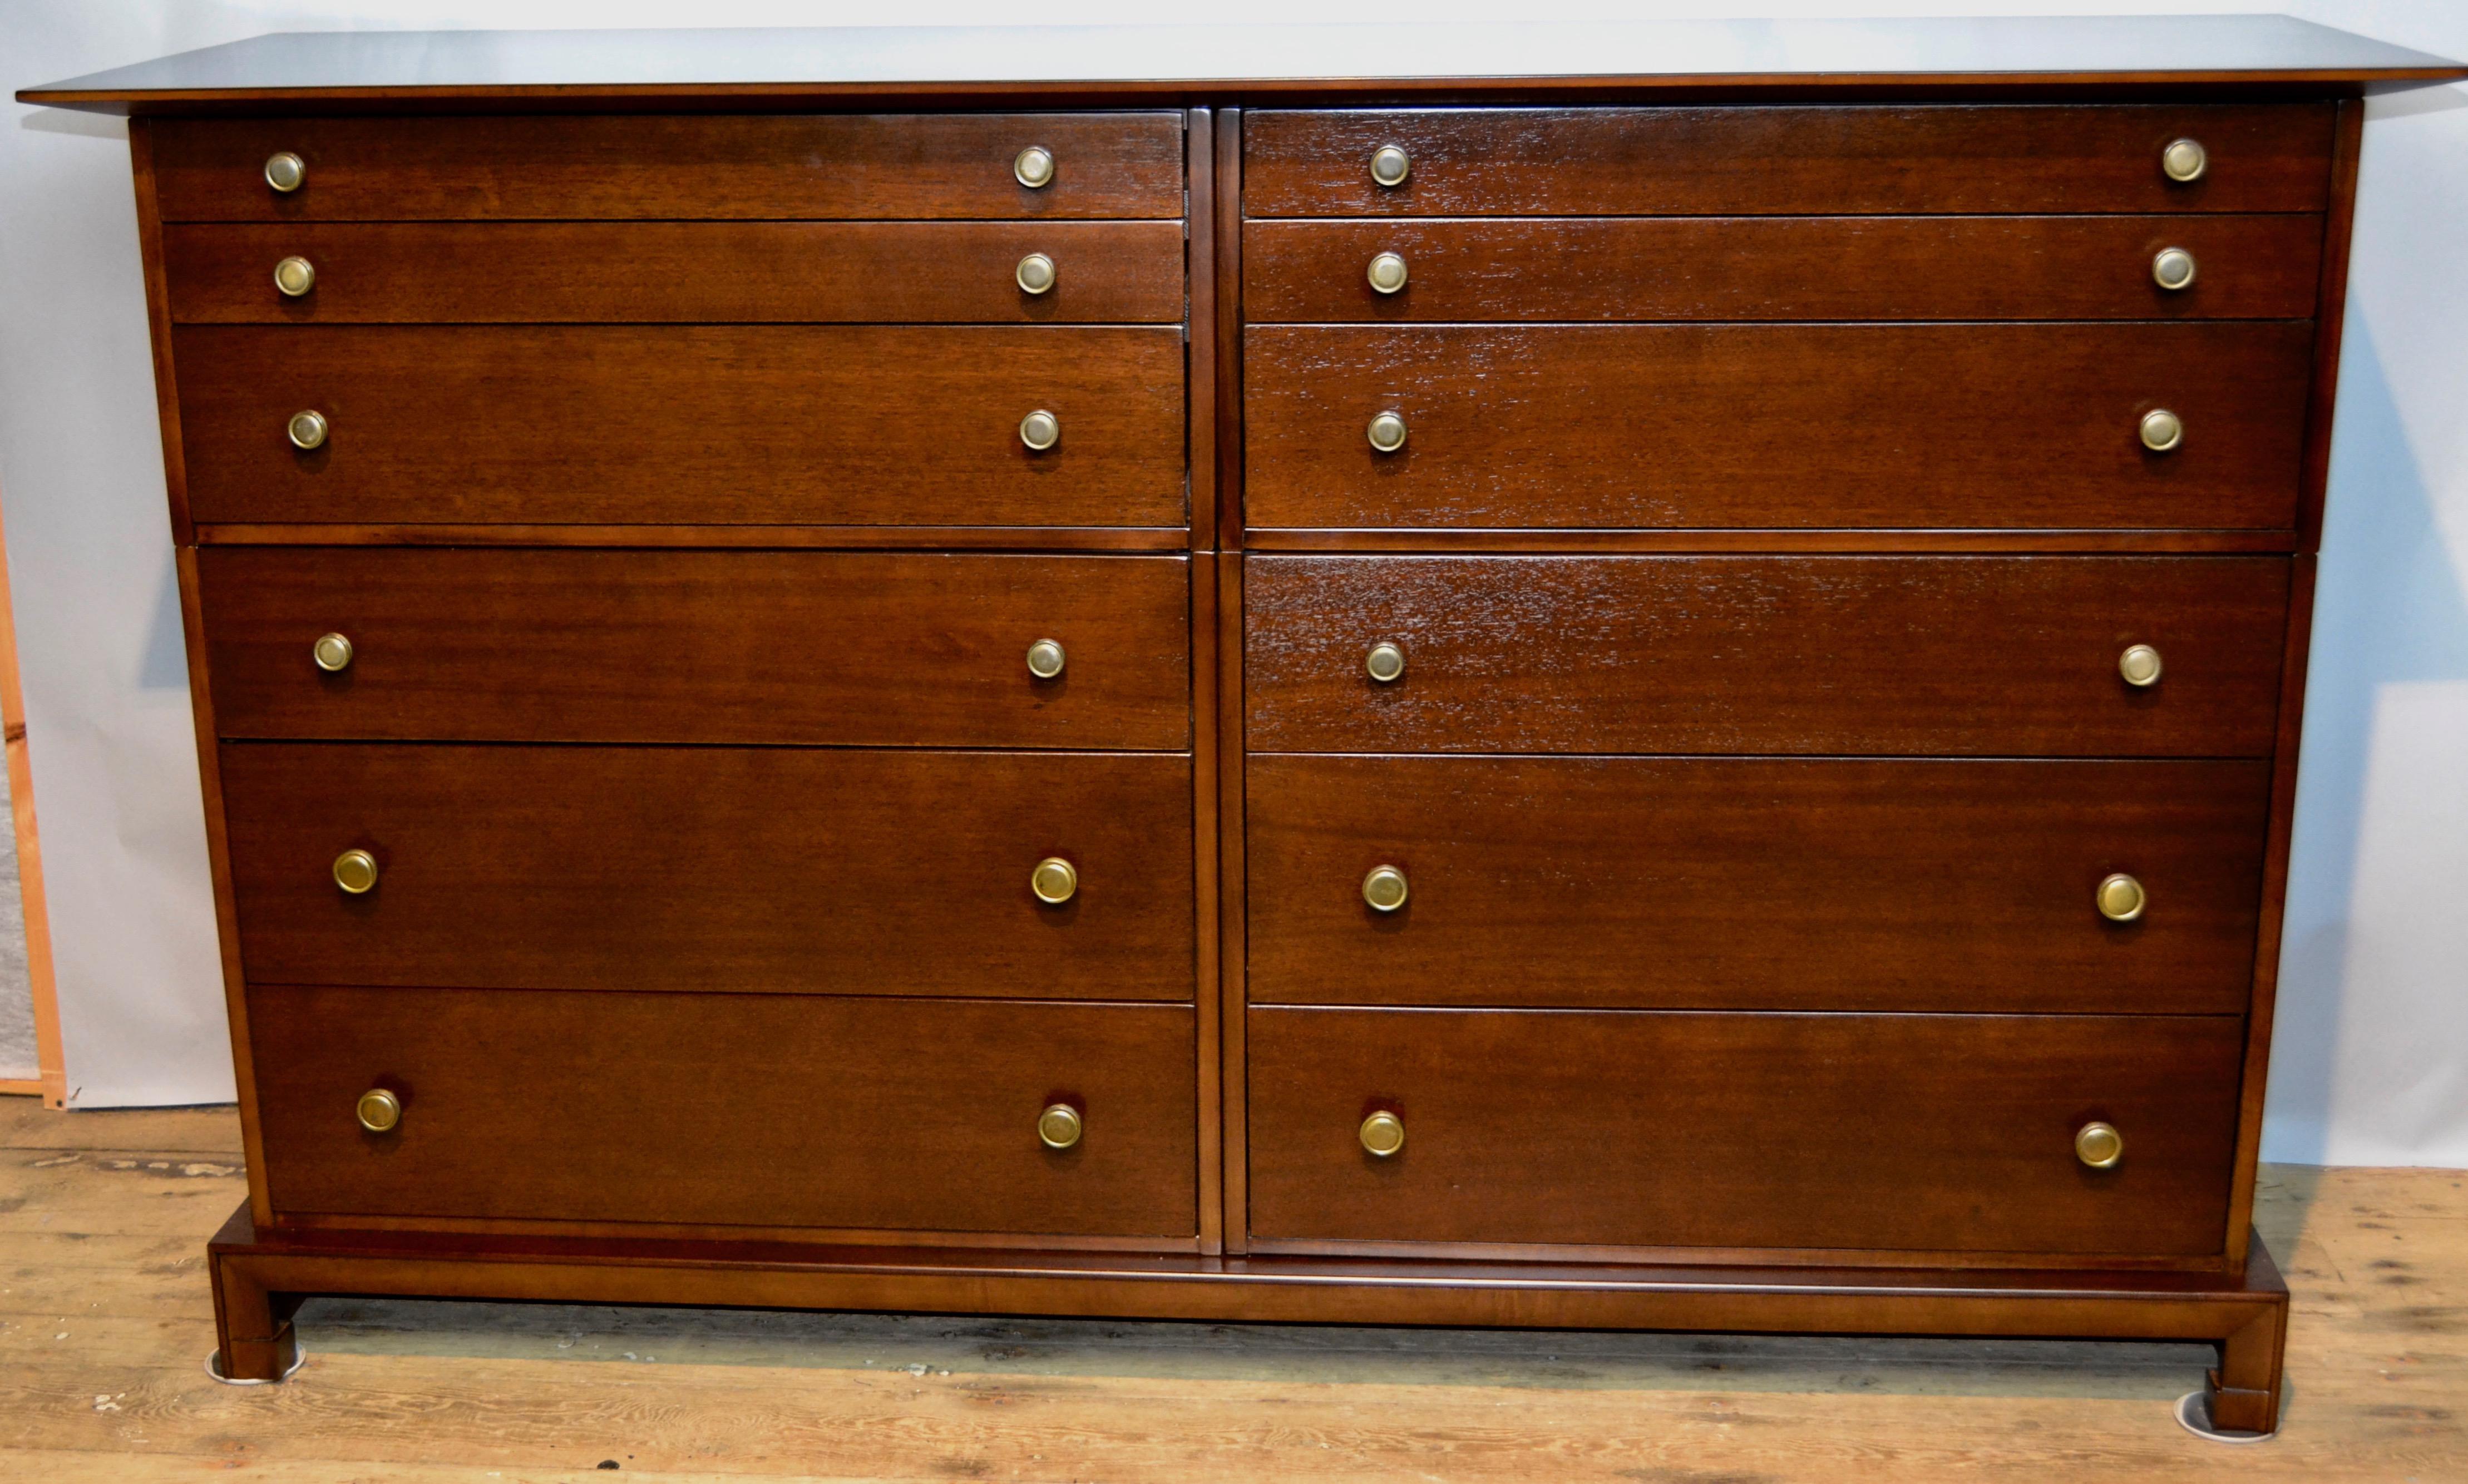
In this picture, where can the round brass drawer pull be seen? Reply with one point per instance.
(380, 1110)
(1384, 888)
(1385, 662)
(295, 276)
(355, 871)
(2121, 898)
(307, 430)
(2162, 430)
(1045, 658)
(2185, 160)
(1387, 432)
(333, 653)
(1390, 165)
(1035, 274)
(285, 172)
(1383, 1134)
(1055, 880)
(1387, 273)
(1060, 1126)
(2099, 1146)
(2172, 269)
(2139, 665)
(1034, 167)
(1041, 430)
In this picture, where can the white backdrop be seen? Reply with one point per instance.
(2372, 1054)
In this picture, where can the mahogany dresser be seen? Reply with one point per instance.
(1626, 676)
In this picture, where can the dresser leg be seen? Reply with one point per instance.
(253, 1337)
(2245, 1389)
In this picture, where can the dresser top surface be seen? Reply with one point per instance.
(644, 68)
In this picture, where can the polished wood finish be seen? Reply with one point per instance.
(766, 870)
(874, 648)
(2330, 315)
(1787, 161)
(1207, 744)
(1927, 425)
(1957, 656)
(1010, 539)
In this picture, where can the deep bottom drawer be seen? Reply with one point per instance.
(766, 1111)
(1952, 1134)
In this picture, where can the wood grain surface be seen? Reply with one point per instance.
(1999, 427)
(1930, 655)
(696, 424)
(1754, 884)
(765, 870)
(870, 648)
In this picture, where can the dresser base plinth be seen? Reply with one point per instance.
(260, 1278)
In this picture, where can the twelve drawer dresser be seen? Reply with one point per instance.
(1625, 677)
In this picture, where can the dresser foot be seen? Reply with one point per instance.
(2240, 1400)
(254, 1342)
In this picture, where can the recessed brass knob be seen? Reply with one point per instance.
(1385, 663)
(1055, 880)
(294, 276)
(2139, 665)
(2121, 898)
(1035, 274)
(1390, 165)
(2185, 160)
(1387, 273)
(1045, 658)
(1387, 432)
(1060, 1126)
(2172, 269)
(1383, 1134)
(307, 430)
(1034, 167)
(1384, 888)
(284, 172)
(2162, 430)
(1041, 430)
(2099, 1146)
(380, 1110)
(333, 653)
(355, 871)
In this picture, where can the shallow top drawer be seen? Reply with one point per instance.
(1514, 162)
(541, 169)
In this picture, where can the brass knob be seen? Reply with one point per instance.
(2139, 665)
(1055, 880)
(2099, 1145)
(1384, 888)
(2172, 269)
(2185, 160)
(1034, 167)
(1387, 432)
(285, 172)
(2121, 898)
(1383, 1134)
(307, 430)
(1035, 274)
(1390, 165)
(295, 277)
(1045, 658)
(355, 871)
(1387, 273)
(380, 1110)
(2162, 430)
(1041, 430)
(1385, 663)
(333, 653)
(1060, 1126)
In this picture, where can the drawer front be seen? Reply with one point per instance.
(788, 166)
(1766, 268)
(712, 869)
(758, 1110)
(876, 425)
(1754, 883)
(1894, 656)
(859, 648)
(677, 272)
(1645, 162)
(1943, 1133)
(1760, 426)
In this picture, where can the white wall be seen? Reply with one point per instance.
(2372, 1057)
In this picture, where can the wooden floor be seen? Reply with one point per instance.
(104, 1321)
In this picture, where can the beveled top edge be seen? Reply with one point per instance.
(559, 68)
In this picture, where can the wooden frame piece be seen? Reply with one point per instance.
(49, 1080)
